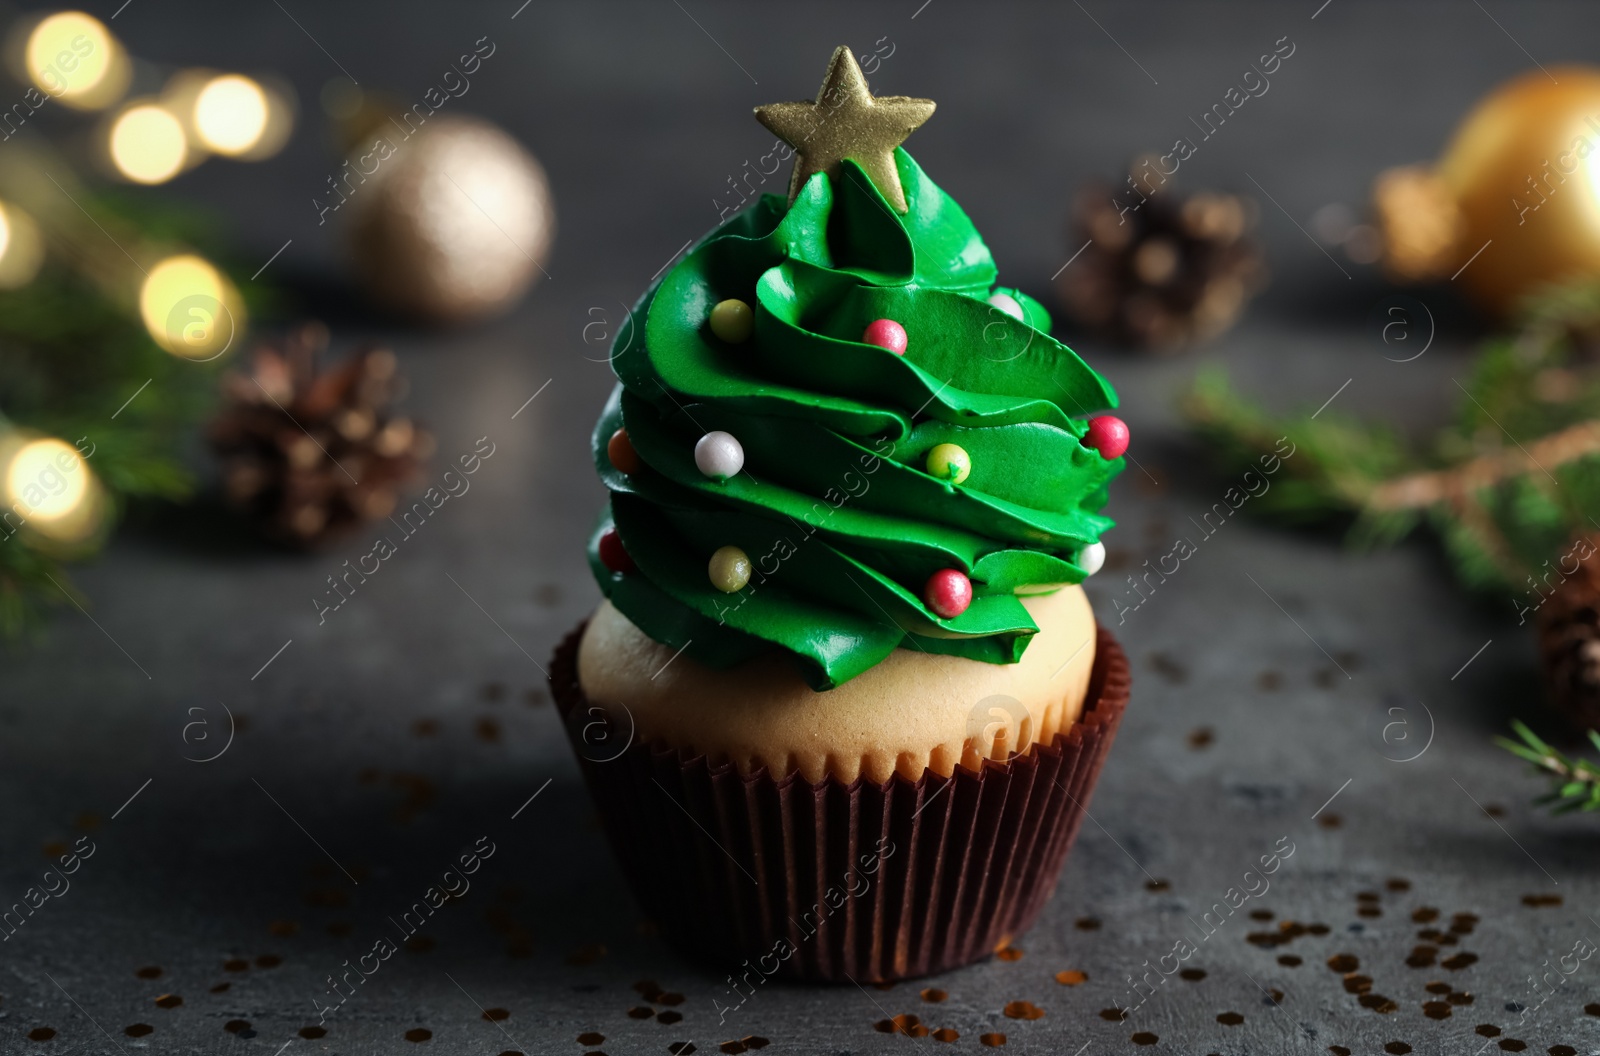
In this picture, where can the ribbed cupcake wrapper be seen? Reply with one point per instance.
(780, 877)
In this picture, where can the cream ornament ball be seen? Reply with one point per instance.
(452, 223)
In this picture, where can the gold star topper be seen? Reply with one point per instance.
(846, 121)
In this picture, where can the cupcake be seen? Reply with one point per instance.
(844, 703)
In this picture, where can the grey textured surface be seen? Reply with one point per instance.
(640, 120)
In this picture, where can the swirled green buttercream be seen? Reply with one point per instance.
(841, 521)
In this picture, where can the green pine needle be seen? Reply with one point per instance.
(1575, 782)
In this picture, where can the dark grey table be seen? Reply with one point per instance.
(371, 749)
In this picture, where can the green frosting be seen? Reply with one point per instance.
(842, 523)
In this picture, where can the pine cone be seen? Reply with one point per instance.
(1176, 270)
(310, 454)
(1569, 640)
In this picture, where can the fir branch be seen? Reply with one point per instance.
(1509, 484)
(1337, 464)
(1574, 783)
(1420, 490)
(73, 352)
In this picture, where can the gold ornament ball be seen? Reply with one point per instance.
(1524, 170)
(732, 320)
(729, 569)
(949, 462)
(1514, 202)
(452, 223)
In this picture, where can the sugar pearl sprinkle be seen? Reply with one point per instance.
(612, 553)
(1008, 304)
(732, 320)
(886, 333)
(949, 462)
(729, 569)
(1092, 558)
(619, 449)
(1107, 435)
(948, 592)
(719, 455)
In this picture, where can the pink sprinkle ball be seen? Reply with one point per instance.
(948, 593)
(612, 554)
(886, 333)
(1107, 435)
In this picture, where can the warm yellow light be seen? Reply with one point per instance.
(21, 248)
(72, 57)
(230, 114)
(49, 492)
(46, 481)
(189, 308)
(1592, 171)
(148, 144)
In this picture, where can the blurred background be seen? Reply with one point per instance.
(268, 271)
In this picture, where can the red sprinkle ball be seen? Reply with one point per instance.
(612, 555)
(1107, 435)
(886, 333)
(948, 592)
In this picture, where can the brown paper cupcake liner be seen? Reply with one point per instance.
(779, 877)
